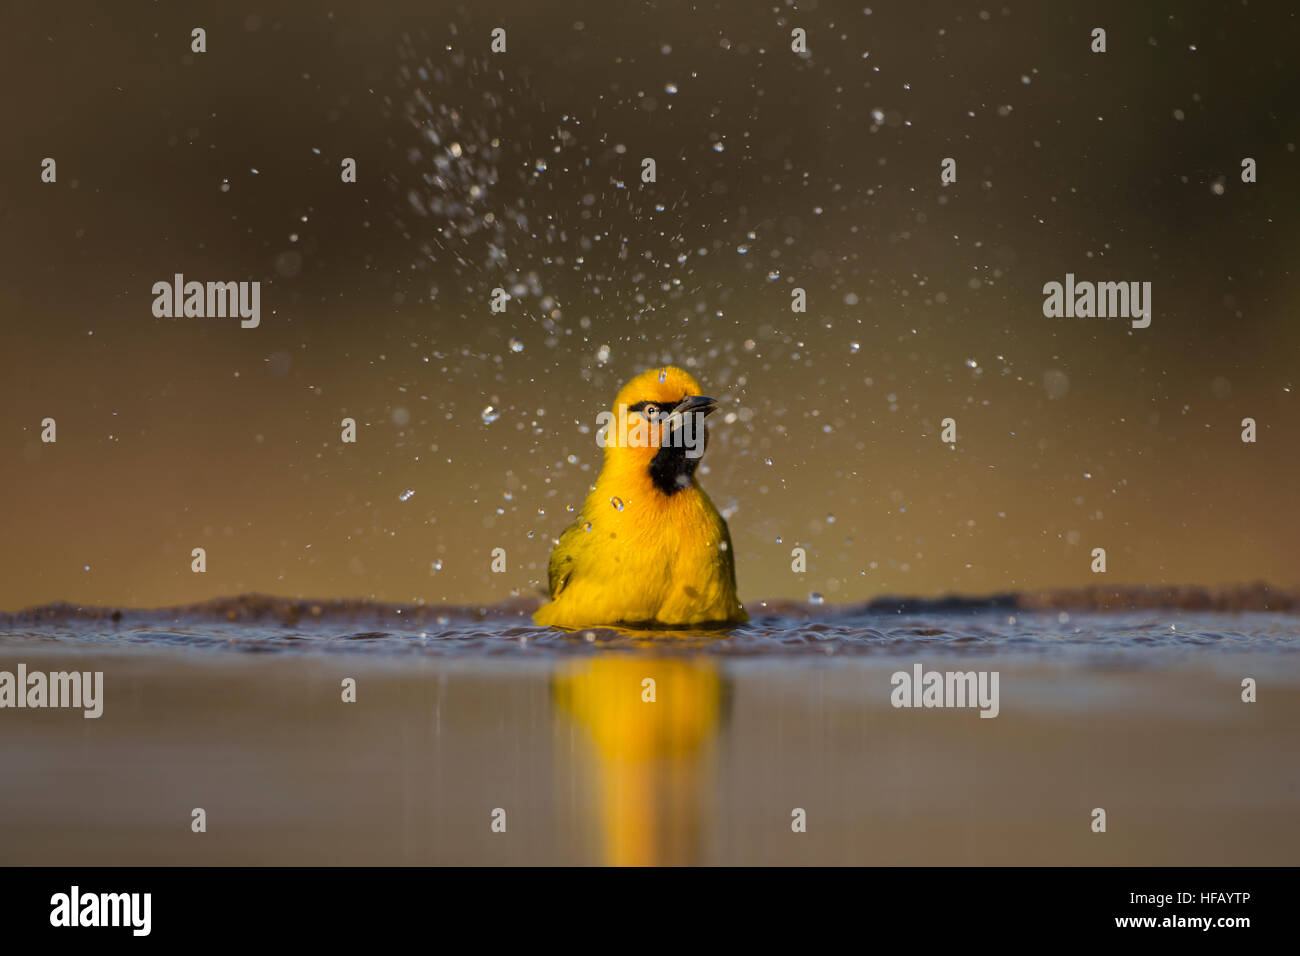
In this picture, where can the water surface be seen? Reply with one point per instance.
(464, 712)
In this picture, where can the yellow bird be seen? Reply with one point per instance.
(649, 549)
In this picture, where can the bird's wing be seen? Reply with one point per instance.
(728, 555)
(563, 558)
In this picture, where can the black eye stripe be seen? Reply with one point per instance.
(664, 407)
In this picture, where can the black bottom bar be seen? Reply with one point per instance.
(332, 905)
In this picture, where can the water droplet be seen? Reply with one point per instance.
(830, 519)
(586, 526)
(854, 347)
(617, 503)
(406, 495)
(490, 414)
(435, 567)
(663, 375)
(225, 185)
(670, 88)
(516, 345)
(768, 462)
(540, 165)
(85, 567)
(718, 147)
(816, 598)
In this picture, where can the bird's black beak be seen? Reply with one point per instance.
(699, 404)
(691, 405)
(687, 419)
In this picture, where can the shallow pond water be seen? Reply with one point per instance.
(626, 747)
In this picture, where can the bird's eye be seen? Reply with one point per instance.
(652, 411)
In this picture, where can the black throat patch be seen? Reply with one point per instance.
(671, 470)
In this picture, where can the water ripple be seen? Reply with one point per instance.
(469, 632)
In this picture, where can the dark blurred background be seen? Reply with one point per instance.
(522, 170)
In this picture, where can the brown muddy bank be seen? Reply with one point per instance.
(1256, 597)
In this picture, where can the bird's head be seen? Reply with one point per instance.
(658, 425)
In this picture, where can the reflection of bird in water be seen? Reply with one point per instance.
(649, 547)
(652, 722)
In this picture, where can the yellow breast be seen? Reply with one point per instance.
(638, 556)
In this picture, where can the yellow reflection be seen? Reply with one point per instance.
(652, 723)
